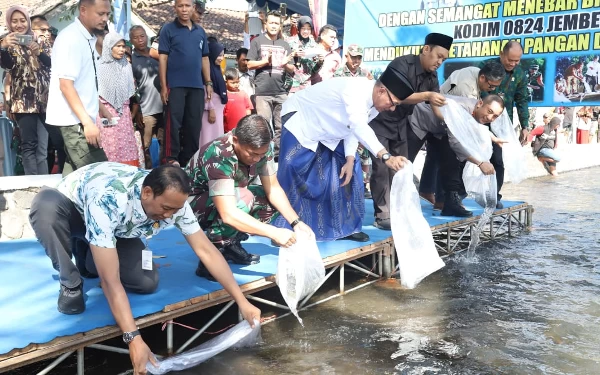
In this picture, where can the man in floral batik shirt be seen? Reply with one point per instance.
(112, 206)
(226, 203)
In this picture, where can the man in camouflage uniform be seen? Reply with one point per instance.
(513, 90)
(352, 67)
(225, 203)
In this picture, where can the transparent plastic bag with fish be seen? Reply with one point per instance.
(300, 271)
(240, 336)
(417, 256)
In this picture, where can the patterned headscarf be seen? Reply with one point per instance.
(115, 77)
(18, 8)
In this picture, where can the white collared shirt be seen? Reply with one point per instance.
(335, 110)
(73, 58)
(462, 82)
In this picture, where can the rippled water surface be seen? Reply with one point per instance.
(527, 305)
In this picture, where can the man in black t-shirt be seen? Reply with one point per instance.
(270, 57)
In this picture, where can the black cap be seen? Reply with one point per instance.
(437, 39)
(396, 82)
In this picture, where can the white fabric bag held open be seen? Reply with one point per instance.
(300, 271)
(417, 256)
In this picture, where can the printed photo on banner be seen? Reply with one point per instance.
(577, 78)
(552, 35)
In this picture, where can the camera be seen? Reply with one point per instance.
(24, 40)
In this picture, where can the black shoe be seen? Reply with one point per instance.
(358, 237)
(241, 237)
(368, 194)
(70, 300)
(201, 271)
(453, 206)
(235, 253)
(383, 224)
(499, 205)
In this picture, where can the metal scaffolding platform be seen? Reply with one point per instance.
(450, 238)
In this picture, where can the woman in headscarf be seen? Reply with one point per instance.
(29, 68)
(212, 119)
(304, 67)
(115, 88)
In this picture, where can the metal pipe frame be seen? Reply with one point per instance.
(515, 220)
(201, 331)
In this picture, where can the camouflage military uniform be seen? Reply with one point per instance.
(303, 68)
(216, 171)
(345, 72)
(514, 92)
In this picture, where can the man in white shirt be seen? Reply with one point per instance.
(471, 81)
(73, 99)
(318, 167)
(591, 73)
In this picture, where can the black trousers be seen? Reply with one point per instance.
(450, 169)
(184, 123)
(61, 230)
(34, 142)
(498, 164)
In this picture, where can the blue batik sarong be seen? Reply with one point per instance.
(312, 182)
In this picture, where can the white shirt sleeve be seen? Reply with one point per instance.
(66, 59)
(246, 40)
(350, 145)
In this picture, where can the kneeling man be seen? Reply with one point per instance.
(226, 203)
(111, 207)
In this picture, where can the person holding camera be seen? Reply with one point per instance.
(115, 87)
(29, 68)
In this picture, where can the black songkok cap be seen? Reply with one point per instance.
(396, 82)
(437, 39)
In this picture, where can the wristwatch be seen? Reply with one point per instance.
(385, 157)
(129, 336)
(209, 83)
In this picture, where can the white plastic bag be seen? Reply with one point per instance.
(476, 140)
(240, 336)
(417, 256)
(300, 271)
(514, 155)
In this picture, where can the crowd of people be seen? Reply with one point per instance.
(281, 146)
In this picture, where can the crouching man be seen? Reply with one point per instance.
(111, 207)
(225, 202)
(427, 122)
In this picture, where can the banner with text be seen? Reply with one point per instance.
(560, 39)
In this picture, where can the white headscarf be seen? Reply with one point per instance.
(115, 77)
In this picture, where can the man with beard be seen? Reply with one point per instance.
(73, 102)
(390, 127)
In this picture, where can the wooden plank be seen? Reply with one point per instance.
(176, 306)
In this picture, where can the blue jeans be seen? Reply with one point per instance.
(551, 154)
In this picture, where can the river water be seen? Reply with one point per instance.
(527, 305)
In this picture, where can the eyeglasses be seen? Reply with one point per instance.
(390, 97)
(489, 84)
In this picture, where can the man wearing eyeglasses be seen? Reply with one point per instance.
(318, 165)
(468, 82)
(471, 81)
